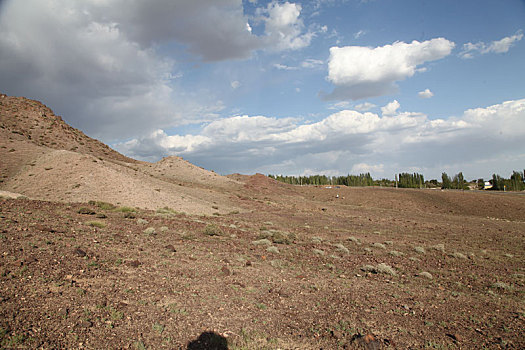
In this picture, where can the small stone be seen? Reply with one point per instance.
(171, 248)
(79, 252)
(248, 263)
(226, 271)
(134, 263)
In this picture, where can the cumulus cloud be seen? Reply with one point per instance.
(363, 107)
(360, 72)
(283, 27)
(235, 84)
(497, 46)
(425, 93)
(98, 63)
(348, 141)
(391, 108)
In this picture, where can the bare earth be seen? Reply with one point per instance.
(241, 262)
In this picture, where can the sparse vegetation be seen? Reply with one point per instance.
(420, 250)
(213, 230)
(98, 224)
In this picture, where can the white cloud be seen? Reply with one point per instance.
(390, 109)
(283, 27)
(425, 93)
(367, 168)
(235, 84)
(312, 63)
(284, 67)
(360, 72)
(363, 107)
(497, 46)
(359, 34)
(349, 141)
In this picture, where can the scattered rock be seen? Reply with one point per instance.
(368, 342)
(79, 252)
(248, 263)
(454, 336)
(171, 248)
(134, 263)
(226, 271)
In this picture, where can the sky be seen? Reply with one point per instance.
(330, 87)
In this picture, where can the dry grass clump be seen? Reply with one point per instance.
(318, 252)
(125, 209)
(420, 250)
(379, 245)
(425, 275)
(501, 286)
(263, 241)
(380, 268)
(103, 205)
(278, 237)
(166, 211)
(150, 231)
(439, 247)
(317, 239)
(142, 222)
(272, 249)
(458, 255)
(353, 239)
(213, 230)
(96, 224)
(164, 229)
(341, 248)
(396, 253)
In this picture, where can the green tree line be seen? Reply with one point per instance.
(408, 180)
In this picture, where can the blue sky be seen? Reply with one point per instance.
(281, 87)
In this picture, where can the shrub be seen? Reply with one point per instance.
(96, 224)
(389, 242)
(379, 245)
(458, 255)
(150, 231)
(125, 209)
(278, 237)
(263, 241)
(318, 252)
(164, 229)
(142, 222)
(353, 239)
(166, 211)
(212, 230)
(420, 250)
(272, 249)
(425, 275)
(396, 253)
(439, 247)
(86, 211)
(341, 248)
(317, 239)
(501, 285)
(380, 268)
(103, 205)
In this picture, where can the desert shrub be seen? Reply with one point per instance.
(166, 211)
(501, 285)
(420, 250)
(142, 221)
(103, 205)
(458, 255)
(353, 239)
(439, 247)
(317, 239)
(425, 275)
(86, 211)
(396, 253)
(150, 231)
(272, 249)
(125, 209)
(318, 252)
(368, 250)
(212, 230)
(386, 269)
(164, 229)
(96, 224)
(379, 245)
(389, 242)
(380, 268)
(278, 237)
(341, 248)
(263, 241)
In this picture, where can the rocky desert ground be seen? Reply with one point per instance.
(102, 251)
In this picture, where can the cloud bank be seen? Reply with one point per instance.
(361, 72)
(497, 46)
(98, 63)
(348, 141)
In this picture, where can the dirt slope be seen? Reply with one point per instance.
(44, 158)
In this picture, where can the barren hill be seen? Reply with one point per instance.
(42, 157)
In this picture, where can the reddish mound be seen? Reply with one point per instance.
(28, 120)
(262, 183)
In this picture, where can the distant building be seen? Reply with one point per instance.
(488, 185)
